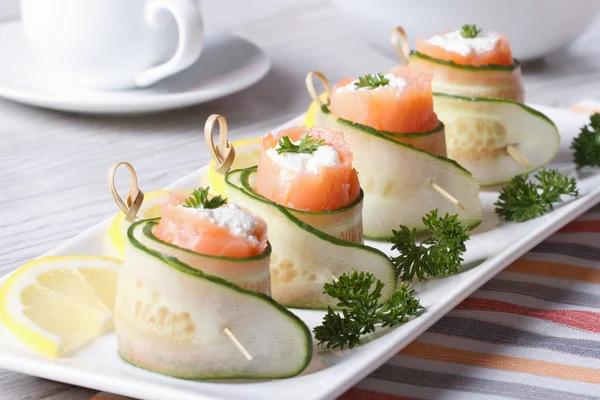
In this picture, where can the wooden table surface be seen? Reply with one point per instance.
(53, 165)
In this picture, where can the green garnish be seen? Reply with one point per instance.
(307, 145)
(371, 81)
(470, 31)
(362, 309)
(439, 254)
(586, 146)
(199, 199)
(522, 200)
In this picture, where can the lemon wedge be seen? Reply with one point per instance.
(310, 119)
(150, 209)
(247, 152)
(56, 305)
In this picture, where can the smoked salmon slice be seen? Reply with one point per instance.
(191, 229)
(403, 108)
(325, 188)
(501, 54)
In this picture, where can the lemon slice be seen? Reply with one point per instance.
(247, 152)
(57, 304)
(150, 209)
(310, 119)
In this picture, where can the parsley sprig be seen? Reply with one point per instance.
(371, 81)
(307, 144)
(470, 31)
(439, 254)
(359, 293)
(199, 199)
(586, 146)
(522, 199)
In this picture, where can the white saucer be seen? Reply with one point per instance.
(227, 64)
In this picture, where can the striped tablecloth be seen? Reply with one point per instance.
(532, 332)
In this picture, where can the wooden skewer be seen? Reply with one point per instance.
(237, 343)
(448, 196)
(334, 278)
(310, 86)
(400, 43)
(518, 156)
(134, 198)
(223, 152)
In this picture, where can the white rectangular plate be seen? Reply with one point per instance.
(492, 247)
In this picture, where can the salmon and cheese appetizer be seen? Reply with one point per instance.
(215, 237)
(310, 172)
(193, 299)
(227, 231)
(397, 104)
(399, 148)
(471, 63)
(307, 169)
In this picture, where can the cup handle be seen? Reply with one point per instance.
(191, 38)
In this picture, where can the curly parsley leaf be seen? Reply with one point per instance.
(586, 146)
(439, 254)
(470, 31)
(359, 293)
(522, 200)
(199, 199)
(307, 144)
(371, 81)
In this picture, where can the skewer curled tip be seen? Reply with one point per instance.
(223, 152)
(135, 197)
(310, 86)
(400, 43)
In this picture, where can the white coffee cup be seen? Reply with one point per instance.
(113, 44)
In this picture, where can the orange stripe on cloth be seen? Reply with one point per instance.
(555, 270)
(584, 109)
(587, 320)
(581, 227)
(360, 394)
(501, 362)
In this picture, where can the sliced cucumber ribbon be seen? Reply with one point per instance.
(496, 81)
(490, 67)
(304, 258)
(479, 131)
(397, 180)
(171, 318)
